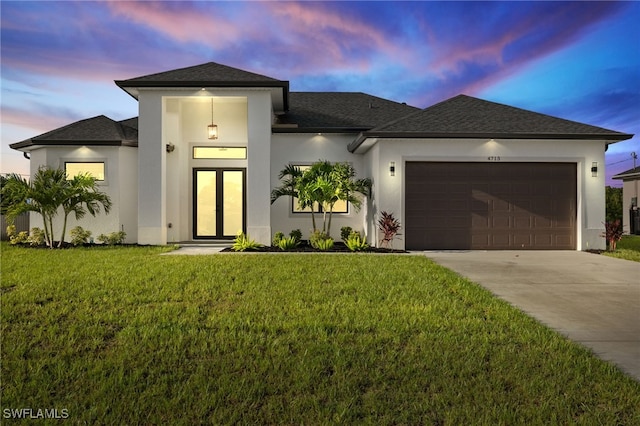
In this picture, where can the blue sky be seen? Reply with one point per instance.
(575, 60)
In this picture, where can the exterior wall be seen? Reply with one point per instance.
(258, 158)
(152, 179)
(184, 126)
(128, 192)
(119, 185)
(388, 194)
(630, 189)
(180, 118)
(306, 149)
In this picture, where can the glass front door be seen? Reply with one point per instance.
(218, 202)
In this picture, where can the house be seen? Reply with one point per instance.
(630, 190)
(462, 174)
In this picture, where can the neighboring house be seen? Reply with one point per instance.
(462, 174)
(630, 191)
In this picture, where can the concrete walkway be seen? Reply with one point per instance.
(197, 249)
(591, 299)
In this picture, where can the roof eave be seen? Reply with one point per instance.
(31, 143)
(609, 138)
(275, 129)
(627, 176)
(131, 87)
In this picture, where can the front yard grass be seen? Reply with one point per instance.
(627, 248)
(125, 336)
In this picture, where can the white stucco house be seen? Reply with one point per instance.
(630, 192)
(462, 174)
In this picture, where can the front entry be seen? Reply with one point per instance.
(218, 202)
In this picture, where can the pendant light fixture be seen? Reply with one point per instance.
(212, 129)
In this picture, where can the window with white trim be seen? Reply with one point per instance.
(95, 169)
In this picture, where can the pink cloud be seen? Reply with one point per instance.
(327, 37)
(37, 119)
(183, 22)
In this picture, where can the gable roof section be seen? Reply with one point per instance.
(210, 74)
(468, 117)
(631, 174)
(99, 130)
(311, 112)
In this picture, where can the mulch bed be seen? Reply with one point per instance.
(304, 247)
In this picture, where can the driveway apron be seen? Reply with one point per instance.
(591, 299)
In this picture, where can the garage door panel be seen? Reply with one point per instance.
(478, 221)
(523, 222)
(490, 205)
(498, 205)
(542, 222)
(522, 240)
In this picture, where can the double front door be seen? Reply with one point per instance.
(218, 202)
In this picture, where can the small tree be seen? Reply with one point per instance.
(81, 197)
(613, 198)
(50, 192)
(322, 185)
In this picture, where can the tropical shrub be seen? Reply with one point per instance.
(345, 232)
(296, 234)
(243, 243)
(288, 243)
(285, 243)
(319, 241)
(19, 238)
(355, 242)
(613, 233)
(389, 227)
(11, 230)
(80, 236)
(324, 244)
(276, 238)
(113, 238)
(36, 237)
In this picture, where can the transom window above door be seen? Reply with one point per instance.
(219, 153)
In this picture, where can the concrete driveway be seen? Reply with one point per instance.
(591, 299)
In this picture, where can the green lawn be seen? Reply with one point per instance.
(125, 336)
(627, 248)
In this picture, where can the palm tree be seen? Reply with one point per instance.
(344, 187)
(47, 192)
(294, 186)
(81, 197)
(323, 184)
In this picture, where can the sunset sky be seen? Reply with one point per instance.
(575, 60)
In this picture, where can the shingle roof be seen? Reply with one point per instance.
(464, 117)
(130, 122)
(207, 72)
(631, 174)
(338, 111)
(99, 130)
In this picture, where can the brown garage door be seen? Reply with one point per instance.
(495, 206)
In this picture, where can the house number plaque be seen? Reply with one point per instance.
(495, 158)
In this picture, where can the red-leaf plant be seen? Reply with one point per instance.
(613, 233)
(389, 227)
